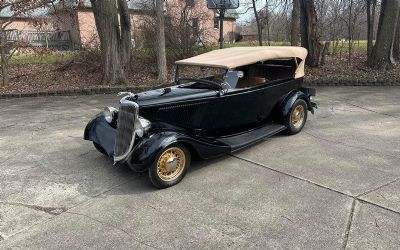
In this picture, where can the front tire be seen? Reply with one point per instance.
(170, 166)
(297, 117)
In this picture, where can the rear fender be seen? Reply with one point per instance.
(293, 96)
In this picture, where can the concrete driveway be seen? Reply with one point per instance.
(336, 185)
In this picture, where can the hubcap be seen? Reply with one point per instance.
(297, 116)
(171, 164)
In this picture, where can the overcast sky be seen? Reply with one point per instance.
(242, 17)
(243, 7)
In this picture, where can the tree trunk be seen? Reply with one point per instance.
(396, 44)
(126, 35)
(309, 36)
(258, 23)
(371, 9)
(161, 57)
(267, 13)
(295, 24)
(381, 57)
(3, 57)
(350, 31)
(268, 30)
(325, 52)
(114, 29)
(4, 66)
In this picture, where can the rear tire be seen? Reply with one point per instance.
(297, 117)
(170, 166)
(99, 148)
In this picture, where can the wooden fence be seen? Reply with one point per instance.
(46, 39)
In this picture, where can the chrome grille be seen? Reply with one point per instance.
(125, 137)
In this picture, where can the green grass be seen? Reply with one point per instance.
(254, 43)
(358, 46)
(151, 53)
(47, 59)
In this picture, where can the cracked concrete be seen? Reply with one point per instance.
(336, 185)
(49, 210)
(348, 227)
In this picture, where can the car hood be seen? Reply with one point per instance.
(170, 95)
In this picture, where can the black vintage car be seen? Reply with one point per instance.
(222, 101)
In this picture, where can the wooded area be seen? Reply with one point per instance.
(383, 47)
(328, 22)
(324, 27)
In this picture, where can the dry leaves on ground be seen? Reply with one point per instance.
(26, 78)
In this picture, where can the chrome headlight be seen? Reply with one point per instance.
(142, 126)
(109, 113)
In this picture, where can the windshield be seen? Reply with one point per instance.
(199, 72)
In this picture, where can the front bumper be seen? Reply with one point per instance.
(101, 132)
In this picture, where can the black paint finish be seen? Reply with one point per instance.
(206, 121)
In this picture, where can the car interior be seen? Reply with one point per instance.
(263, 72)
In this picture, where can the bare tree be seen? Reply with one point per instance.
(267, 21)
(184, 32)
(114, 29)
(15, 8)
(161, 56)
(371, 10)
(295, 24)
(353, 10)
(381, 57)
(396, 44)
(269, 17)
(309, 36)
(259, 28)
(350, 29)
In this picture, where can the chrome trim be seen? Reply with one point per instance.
(136, 116)
(182, 105)
(112, 111)
(126, 101)
(125, 93)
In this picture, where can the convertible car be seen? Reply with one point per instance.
(222, 101)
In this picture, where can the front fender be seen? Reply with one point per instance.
(99, 131)
(145, 152)
(148, 148)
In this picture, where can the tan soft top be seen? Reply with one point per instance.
(231, 58)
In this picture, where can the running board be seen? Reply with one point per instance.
(241, 141)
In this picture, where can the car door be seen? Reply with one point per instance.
(239, 110)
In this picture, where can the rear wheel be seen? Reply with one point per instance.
(170, 166)
(99, 148)
(297, 117)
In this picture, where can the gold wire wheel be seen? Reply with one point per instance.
(171, 163)
(297, 116)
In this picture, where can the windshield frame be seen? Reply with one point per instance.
(177, 66)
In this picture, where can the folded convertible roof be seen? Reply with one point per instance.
(231, 58)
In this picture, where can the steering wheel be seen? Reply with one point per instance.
(208, 82)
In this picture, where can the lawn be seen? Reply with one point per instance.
(146, 53)
(343, 46)
(46, 59)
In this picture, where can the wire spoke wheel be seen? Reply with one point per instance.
(297, 116)
(171, 164)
